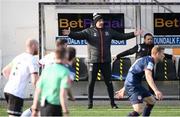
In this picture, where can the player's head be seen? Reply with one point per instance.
(71, 54)
(157, 53)
(98, 20)
(61, 43)
(32, 46)
(148, 39)
(61, 55)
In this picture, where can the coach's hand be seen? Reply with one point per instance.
(120, 94)
(138, 32)
(159, 95)
(66, 32)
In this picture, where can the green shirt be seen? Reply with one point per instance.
(53, 78)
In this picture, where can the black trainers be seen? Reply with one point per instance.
(114, 106)
(90, 106)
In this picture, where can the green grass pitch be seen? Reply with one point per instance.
(79, 109)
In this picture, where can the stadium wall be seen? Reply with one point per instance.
(0, 28)
(18, 21)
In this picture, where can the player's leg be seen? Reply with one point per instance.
(15, 105)
(106, 71)
(150, 101)
(26, 113)
(137, 110)
(93, 70)
(135, 94)
(137, 103)
(51, 110)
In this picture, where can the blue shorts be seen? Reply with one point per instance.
(136, 93)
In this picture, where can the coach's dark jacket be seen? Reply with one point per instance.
(141, 50)
(99, 42)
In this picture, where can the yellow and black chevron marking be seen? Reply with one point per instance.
(99, 75)
(77, 69)
(165, 69)
(121, 69)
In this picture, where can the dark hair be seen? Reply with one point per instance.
(71, 53)
(60, 53)
(147, 34)
(61, 42)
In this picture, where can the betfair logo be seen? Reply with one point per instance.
(166, 23)
(65, 23)
(160, 22)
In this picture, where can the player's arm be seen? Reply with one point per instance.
(37, 93)
(34, 78)
(7, 70)
(150, 81)
(63, 98)
(34, 107)
(63, 93)
(120, 94)
(128, 52)
(34, 69)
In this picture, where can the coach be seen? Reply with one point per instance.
(99, 55)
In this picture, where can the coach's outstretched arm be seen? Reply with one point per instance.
(124, 36)
(79, 35)
(150, 81)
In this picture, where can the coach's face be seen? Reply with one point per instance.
(100, 23)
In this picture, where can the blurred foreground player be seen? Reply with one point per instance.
(44, 62)
(49, 58)
(52, 88)
(71, 56)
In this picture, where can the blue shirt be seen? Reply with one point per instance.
(136, 71)
(72, 72)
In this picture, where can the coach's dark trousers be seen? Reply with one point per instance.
(106, 72)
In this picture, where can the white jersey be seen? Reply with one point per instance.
(22, 67)
(49, 59)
